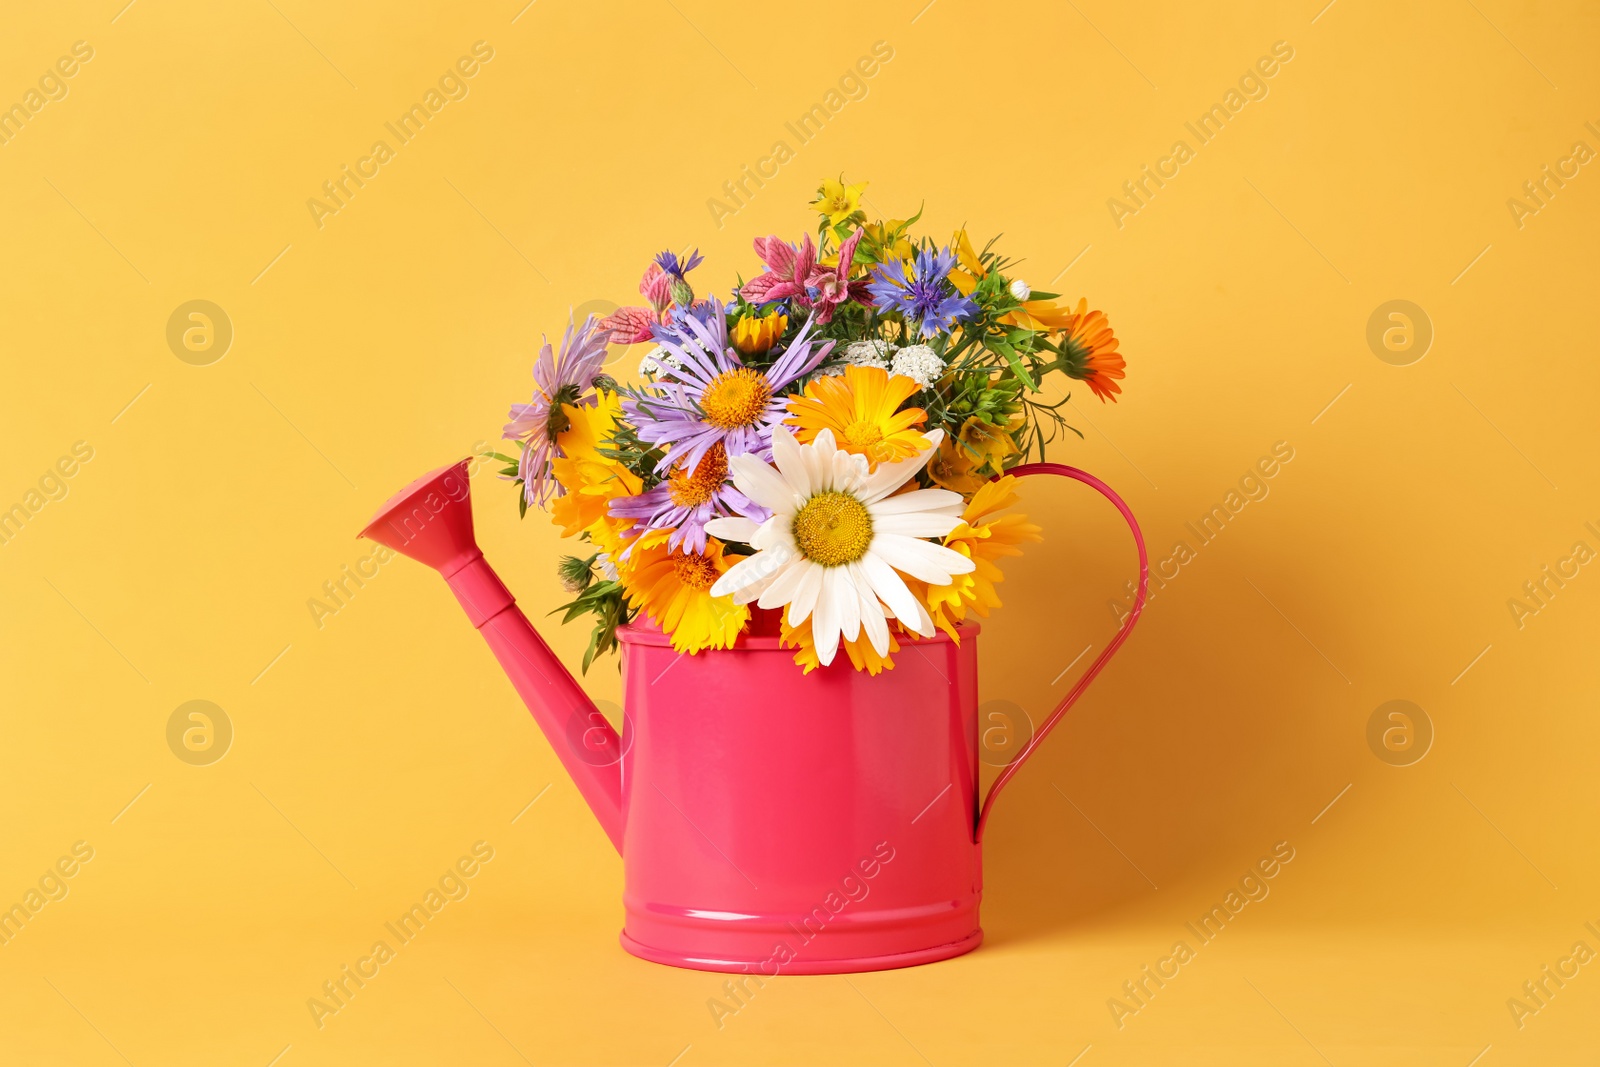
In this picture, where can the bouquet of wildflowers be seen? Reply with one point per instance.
(830, 444)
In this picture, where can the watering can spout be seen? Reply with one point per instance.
(430, 521)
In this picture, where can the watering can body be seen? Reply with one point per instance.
(770, 822)
(799, 824)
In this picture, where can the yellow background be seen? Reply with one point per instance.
(370, 753)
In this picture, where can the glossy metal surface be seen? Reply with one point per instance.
(770, 822)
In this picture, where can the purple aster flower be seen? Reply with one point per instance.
(688, 499)
(707, 396)
(925, 296)
(556, 381)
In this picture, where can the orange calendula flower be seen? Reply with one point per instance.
(674, 589)
(1090, 349)
(862, 655)
(984, 536)
(862, 408)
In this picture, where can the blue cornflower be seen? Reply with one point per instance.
(669, 262)
(925, 296)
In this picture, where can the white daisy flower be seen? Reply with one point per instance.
(918, 362)
(837, 538)
(1020, 290)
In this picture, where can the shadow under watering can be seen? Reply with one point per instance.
(769, 821)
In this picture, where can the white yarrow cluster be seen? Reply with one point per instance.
(656, 361)
(919, 363)
(868, 354)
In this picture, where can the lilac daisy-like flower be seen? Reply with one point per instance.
(710, 397)
(707, 407)
(923, 295)
(689, 498)
(567, 379)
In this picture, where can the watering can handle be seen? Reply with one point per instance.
(1101, 660)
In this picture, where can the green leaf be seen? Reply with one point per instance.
(1014, 360)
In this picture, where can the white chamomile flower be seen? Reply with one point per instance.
(838, 540)
(1020, 290)
(919, 363)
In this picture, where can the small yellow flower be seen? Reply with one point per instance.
(838, 201)
(888, 240)
(754, 335)
(953, 468)
(591, 480)
(987, 443)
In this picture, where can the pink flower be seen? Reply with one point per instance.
(788, 271)
(631, 325)
(833, 286)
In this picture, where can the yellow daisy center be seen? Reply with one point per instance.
(736, 398)
(692, 489)
(695, 571)
(862, 434)
(833, 528)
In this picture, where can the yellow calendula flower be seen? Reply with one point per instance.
(754, 335)
(862, 655)
(838, 201)
(673, 589)
(591, 480)
(984, 536)
(862, 408)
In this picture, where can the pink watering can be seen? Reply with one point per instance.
(770, 822)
